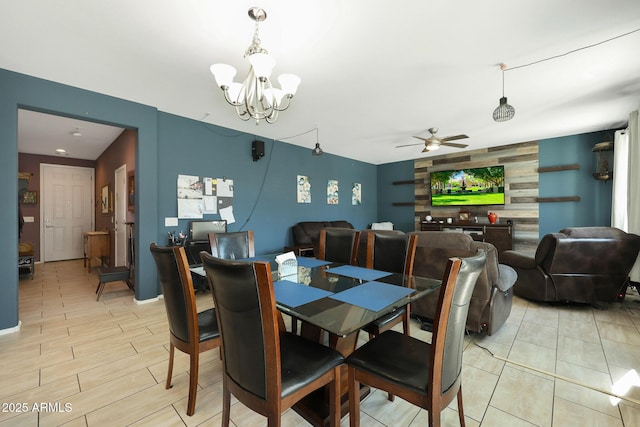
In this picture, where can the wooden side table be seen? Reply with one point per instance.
(96, 245)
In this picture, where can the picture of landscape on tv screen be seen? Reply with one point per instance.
(468, 187)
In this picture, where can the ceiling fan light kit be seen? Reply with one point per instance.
(256, 98)
(434, 142)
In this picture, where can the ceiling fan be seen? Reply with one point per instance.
(434, 142)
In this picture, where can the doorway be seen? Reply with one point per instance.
(67, 210)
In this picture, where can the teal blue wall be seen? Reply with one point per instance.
(402, 217)
(169, 145)
(594, 207)
(264, 191)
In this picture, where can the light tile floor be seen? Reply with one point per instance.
(81, 362)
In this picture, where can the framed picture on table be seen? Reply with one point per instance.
(464, 216)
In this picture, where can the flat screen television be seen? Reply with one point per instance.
(468, 187)
(199, 230)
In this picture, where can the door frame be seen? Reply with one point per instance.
(120, 210)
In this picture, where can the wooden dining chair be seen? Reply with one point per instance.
(265, 367)
(234, 245)
(426, 375)
(189, 331)
(395, 253)
(339, 245)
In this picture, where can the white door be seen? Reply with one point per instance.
(120, 210)
(67, 210)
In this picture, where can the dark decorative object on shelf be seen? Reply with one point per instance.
(604, 160)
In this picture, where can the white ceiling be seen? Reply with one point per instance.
(374, 73)
(40, 133)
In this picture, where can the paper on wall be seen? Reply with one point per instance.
(227, 213)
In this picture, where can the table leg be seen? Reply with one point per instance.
(315, 407)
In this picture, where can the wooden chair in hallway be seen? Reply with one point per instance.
(113, 274)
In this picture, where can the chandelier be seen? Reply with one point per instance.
(256, 98)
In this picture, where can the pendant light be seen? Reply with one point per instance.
(504, 111)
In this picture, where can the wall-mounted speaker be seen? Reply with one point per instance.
(257, 150)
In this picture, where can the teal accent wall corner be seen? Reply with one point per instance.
(594, 207)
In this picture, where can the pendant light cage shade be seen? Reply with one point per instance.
(317, 151)
(504, 111)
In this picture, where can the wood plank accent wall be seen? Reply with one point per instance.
(521, 188)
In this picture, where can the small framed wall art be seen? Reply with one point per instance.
(104, 199)
(29, 197)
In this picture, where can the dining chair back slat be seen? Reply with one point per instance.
(338, 245)
(234, 245)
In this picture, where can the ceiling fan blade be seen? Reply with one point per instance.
(425, 150)
(409, 145)
(421, 138)
(453, 138)
(453, 144)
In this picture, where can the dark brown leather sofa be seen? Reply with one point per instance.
(307, 233)
(492, 296)
(581, 264)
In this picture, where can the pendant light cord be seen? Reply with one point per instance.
(567, 53)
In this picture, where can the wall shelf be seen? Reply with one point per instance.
(558, 168)
(558, 199)
(409, 182)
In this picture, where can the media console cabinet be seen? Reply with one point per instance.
(499, 235)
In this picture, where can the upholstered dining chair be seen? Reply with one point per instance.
(189, 331)
(338, 245)
(234, 245)
(426, 375)
(265, 367)
(395, 253)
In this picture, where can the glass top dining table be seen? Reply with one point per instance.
(338, 298)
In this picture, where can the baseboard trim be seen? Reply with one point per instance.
(145, 301)
(11, 330)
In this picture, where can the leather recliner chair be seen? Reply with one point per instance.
(580, 264)
(493, 294)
